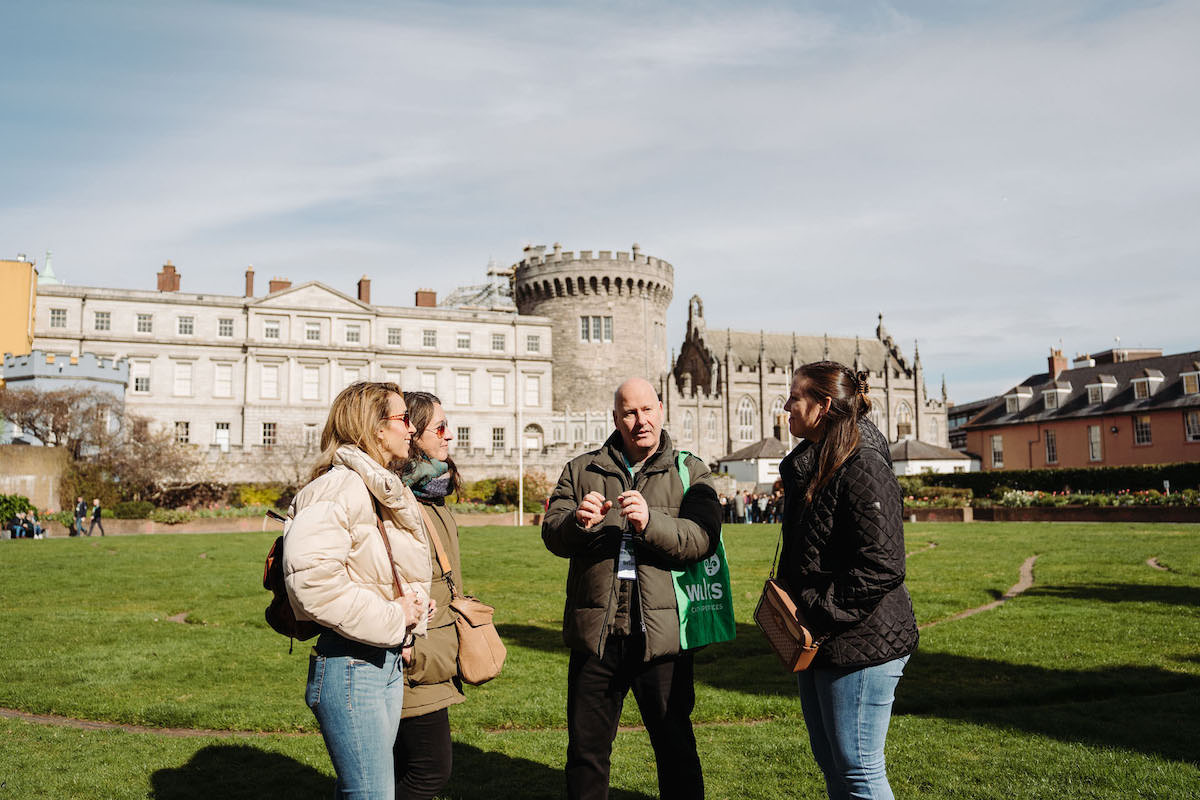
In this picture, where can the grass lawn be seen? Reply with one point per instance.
(1086, 686)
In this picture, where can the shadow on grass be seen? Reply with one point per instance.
(234, 772)
(547, 640)
(1123, 593)
(1144, 709)
(482, 775)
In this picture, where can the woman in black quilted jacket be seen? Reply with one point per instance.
(843, 561)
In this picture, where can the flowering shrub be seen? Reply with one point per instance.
(1015, 498)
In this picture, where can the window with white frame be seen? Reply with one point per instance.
(428, 338)
(1141, 429)
(351, 375)
(310, 383)
(271, 329)
(1191, 425)
(312, 331)
(462, 388)
(1051, 399)
(608, 329)
(533, 391)
(183, 379)
(102, 320)
(1191, 383)
(429, 382)
(533, 343)
(596, 329)
(688, 426)
(353, 334)
(462, 340)
(183, 432)
(997, 450)
(394, 376)
(139, 374)
(579, 434)
(395, 337)
(498, 440)
(904, 421)
(145, 323)
(498, 342)
(186, 326)
(711, 425)
(1012, 405)
(497, 390)
(462, 437)
(222, 380)
(225, 327)
(1050, 439)
(312, 436)
(269, 382)
(1141, 390)
(1095, 394)
(58, 318)
(745, 417)
(598, 433)
(1095, 453)
(269, 430)
(221, 436)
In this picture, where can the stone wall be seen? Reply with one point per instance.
(35, 472)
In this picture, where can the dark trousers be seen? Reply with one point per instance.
(95, 524)
(423, 755)
(596, 689)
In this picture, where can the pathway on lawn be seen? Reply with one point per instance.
(1152, 562)
(1025, 581)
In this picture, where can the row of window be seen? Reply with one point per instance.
(1142, 435)
(310, 435)
(272, 331)
(310, 382)
(595, 329)
(1098, 393)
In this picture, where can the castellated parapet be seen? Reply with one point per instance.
(623, 295)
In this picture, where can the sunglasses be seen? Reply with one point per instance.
(440, 430)
(401, 417)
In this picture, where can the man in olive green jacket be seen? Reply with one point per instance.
(621, 516)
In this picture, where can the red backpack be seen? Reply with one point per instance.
(279, 613)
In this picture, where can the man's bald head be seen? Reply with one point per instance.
(638, 415)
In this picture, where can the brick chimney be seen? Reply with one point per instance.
(364, 289)
(1057, 362)
(278, 285)
(250, 281)
(168, 278)
(426, 298)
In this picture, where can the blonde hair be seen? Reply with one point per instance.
(355, 418)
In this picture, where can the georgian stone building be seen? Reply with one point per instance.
(528, 360)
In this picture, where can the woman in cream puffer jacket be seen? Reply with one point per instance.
(337, 572)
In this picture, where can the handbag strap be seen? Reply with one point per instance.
(443, 562)
(388, 546)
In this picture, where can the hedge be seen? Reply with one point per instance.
(1084, 479)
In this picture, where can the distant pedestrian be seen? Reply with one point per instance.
(96, 517)
(739, 507)
(81, 511)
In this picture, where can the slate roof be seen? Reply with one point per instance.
(769, 447)
(777, 348)
(1168, 394)
(912, 450)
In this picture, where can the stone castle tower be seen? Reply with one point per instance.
(609, 317)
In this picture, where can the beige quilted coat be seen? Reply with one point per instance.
(334, 560)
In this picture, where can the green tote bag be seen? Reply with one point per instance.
(702, 592)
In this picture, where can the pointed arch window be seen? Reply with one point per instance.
(904, 421)
(745, 416)
(689, 428)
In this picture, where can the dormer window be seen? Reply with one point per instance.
(1191, 381)
(1017, 399)
(1147, 385)
(1054, 398)
(1101, 390)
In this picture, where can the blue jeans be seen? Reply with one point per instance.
(847, 713)
(356, 693)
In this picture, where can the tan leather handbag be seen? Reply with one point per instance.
(481, 653)
(784, 626)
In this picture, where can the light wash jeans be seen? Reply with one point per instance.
(847, 712)
(356, 692)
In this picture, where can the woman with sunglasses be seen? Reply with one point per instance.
(422, 754)
(352, 533)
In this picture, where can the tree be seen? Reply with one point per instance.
(78, 419)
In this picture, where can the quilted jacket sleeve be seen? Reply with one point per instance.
(316, 550)
(869, 512)
(695, 533)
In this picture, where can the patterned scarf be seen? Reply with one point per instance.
(428, 478)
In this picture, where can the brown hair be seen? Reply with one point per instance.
(420, 408)
(847, 393)
(355, 418)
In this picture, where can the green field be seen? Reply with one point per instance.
(1085, 686)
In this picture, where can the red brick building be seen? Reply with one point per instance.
(1117, 408)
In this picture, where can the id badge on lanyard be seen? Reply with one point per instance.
(626, 563)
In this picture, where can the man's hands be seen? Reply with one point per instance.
(592, 509)
(633, 508)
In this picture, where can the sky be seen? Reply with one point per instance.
(996, 179)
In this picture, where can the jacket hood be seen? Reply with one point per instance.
(385, 485)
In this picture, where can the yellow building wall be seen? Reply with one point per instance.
(18, 299)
